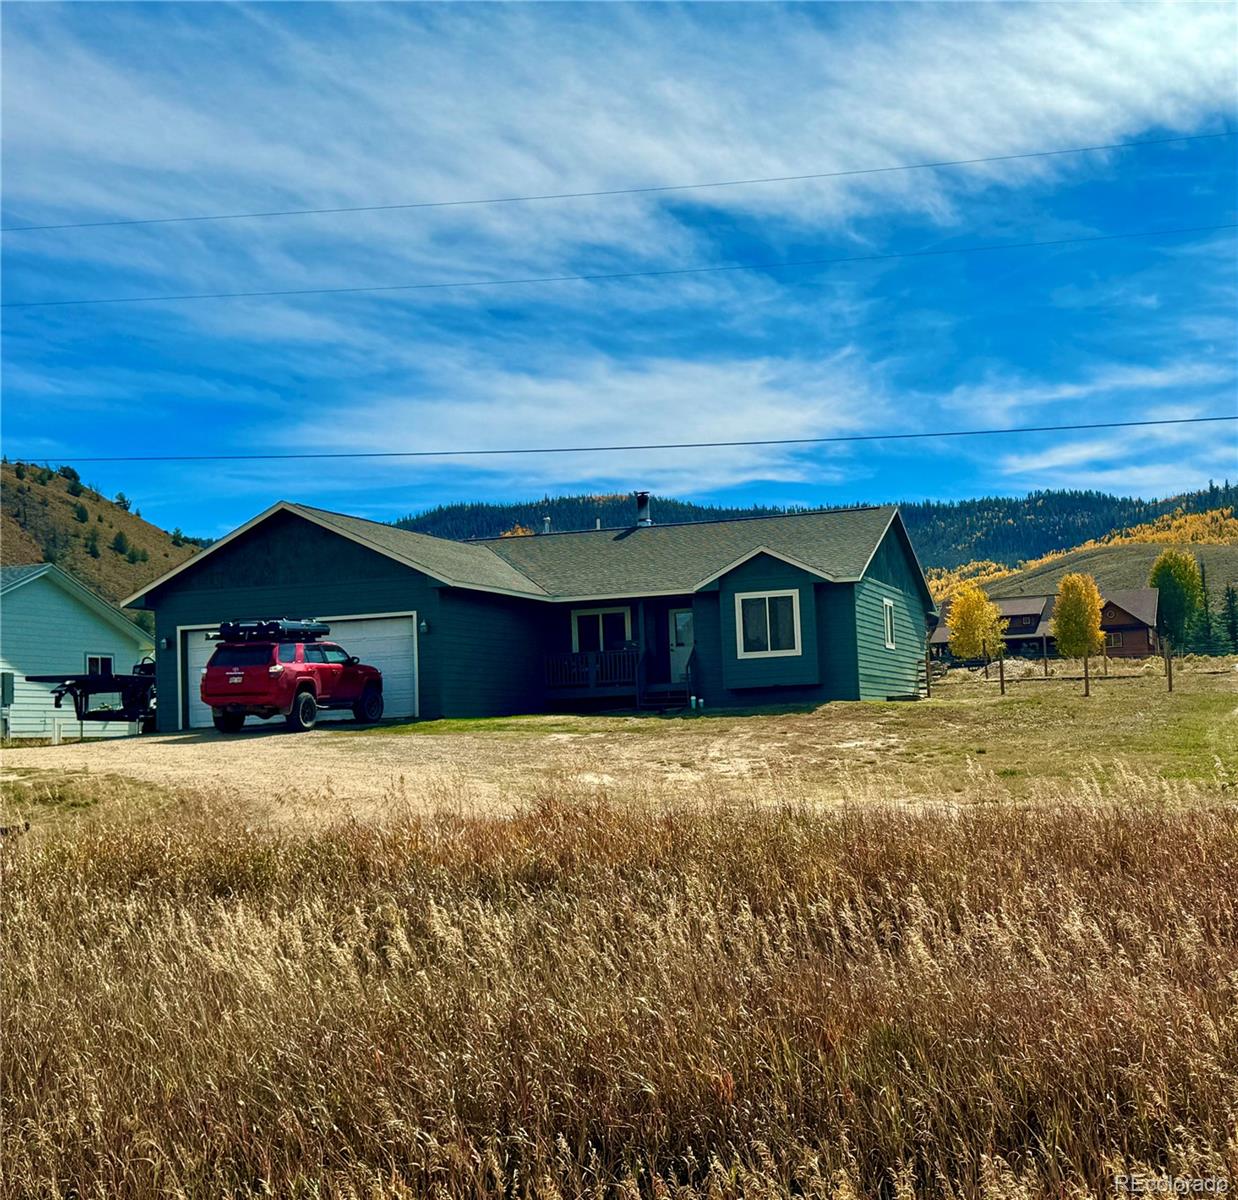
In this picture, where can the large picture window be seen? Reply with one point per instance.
(767, 624)
(601, 628)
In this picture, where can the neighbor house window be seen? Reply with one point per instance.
(767, 624)
(887, 616)
(600, 629)
(1113, 639)
(99, 664)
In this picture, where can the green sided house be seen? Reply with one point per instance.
(762, 610)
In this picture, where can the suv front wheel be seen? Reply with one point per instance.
(304, 712)
(369, 708)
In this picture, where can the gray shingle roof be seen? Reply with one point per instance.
(461, 563)
(607, 563)
(677, 558)
(10, 576)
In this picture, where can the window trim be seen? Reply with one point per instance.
(767, 596)
(626, 609)
(887, 618)
(1113, 639)
(100, 657)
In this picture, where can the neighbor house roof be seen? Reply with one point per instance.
(12, 578)
(1141, 603)
(597, 564)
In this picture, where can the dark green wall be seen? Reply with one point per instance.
(491, 652)
(767, 574)
(891, 575)
(825, 671)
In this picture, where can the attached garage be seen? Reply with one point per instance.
(387, 641)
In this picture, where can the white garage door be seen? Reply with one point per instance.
(387, 643)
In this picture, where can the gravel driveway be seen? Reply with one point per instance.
(338, 772)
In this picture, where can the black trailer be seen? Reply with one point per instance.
(134, 693)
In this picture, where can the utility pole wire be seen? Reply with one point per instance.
(613, 275)
(626, 191)
(806, 441)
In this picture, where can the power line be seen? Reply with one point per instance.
(807, 441)
(625, 191)
(616, 275)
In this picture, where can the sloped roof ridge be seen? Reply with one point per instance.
(416, 535)
(807, 512)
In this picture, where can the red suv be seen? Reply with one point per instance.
(261, 668)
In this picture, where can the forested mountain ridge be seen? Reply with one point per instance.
(1003, 529)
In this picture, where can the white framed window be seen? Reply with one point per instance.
(600, 628)
(767, 624)
(1113, 639)
(100, 664)
(887, 617)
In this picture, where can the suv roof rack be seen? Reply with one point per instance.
(282, 630)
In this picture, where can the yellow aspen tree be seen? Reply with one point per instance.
(977, 627)
(1076, 621)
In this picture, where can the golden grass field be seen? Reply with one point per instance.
(987, 948)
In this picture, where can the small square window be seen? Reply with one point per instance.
(100, 664)
(767, 624)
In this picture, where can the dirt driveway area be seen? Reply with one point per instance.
(478, 765)
(967, 743)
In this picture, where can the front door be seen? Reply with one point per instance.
(680, 642)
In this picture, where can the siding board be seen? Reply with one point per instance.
(47, 631)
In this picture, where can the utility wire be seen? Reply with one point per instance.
(615, 275)
(807, 441)
(626, 191)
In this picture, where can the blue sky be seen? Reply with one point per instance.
(150, 110)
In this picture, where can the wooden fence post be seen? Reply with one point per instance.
(1086, 682)
(1169, 666)
(1001, 672)
(984, 649)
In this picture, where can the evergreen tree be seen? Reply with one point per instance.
(120, 543)
(80, 513)
(1229, 617)
(92, 543)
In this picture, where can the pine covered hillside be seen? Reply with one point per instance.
(50, 515)
(947, 534)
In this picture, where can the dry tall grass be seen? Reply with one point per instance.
(597, 999)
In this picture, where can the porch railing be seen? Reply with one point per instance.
(593, 669)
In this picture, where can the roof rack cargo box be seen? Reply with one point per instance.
(282, 630)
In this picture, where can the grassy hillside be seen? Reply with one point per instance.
(52, 517)
(1120, 566)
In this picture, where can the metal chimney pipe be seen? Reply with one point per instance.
(546, 524)
(643, 515)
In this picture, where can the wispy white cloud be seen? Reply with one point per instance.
(115, 111)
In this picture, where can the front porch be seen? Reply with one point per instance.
(639, 652)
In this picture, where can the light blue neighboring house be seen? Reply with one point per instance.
(52, 624)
